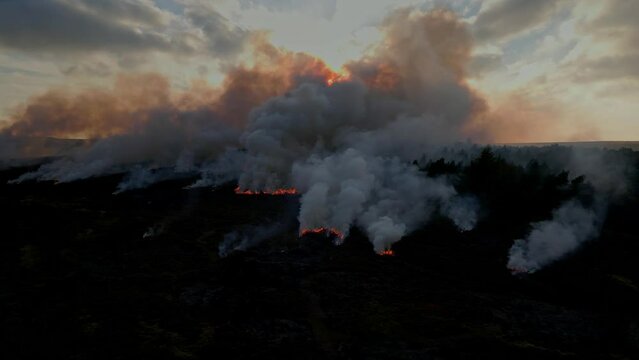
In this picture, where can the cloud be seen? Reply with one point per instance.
(481, 64)
(508, 18)
(116, 27)
(98, 68)
(607, 68)
(141, 12)
(618, 21)
(220, 37)
(68, 26)
(616, 26)
(324, 8)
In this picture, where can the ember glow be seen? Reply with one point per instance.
(387, 252)
(321, 230)
(276, 192)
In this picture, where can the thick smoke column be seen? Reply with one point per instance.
(347, 147)
(407, 95)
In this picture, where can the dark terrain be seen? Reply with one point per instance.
(79, 280)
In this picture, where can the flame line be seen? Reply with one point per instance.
(276, 192)
(321, 230)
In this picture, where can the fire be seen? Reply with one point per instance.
(335, 77)
(387, 252)
(517, 270)
(276, 192)
(322, 230)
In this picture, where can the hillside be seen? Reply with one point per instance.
(91, 275)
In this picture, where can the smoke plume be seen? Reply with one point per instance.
(570, 226)
(347, 145)
(144, 127)
(573, 223)
(344, 140)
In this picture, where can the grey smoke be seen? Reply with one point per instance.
(141, 177)
(226, 168)
(165, 144)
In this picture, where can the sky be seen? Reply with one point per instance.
(552, 70)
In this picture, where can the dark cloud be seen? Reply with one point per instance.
(65, 26)
(511, 17)
(98, 69)
(618, 22)
(607, 68)
(324, 8)
(142, 12)
(221, 37)
(117, 27)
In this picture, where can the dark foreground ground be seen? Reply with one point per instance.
(79, 281)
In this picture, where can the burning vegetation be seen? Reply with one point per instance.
(328, 155)
(329, 232)
(276, 192)
(334, 77)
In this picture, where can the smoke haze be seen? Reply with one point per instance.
(344, 140)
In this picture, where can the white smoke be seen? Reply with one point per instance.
(347, 148)
(607, 171)
(571, 225)
(462, 210)
(386, 197)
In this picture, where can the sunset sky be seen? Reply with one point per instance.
(568, 69)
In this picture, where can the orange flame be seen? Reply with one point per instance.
(387, 252)
(322, 230)
(276, 192)
(517, 270)
(334, 77)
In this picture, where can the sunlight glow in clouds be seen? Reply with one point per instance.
(569, 66)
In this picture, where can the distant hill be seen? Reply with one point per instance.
(613, 145)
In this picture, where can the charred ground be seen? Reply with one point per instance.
(82, 281)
